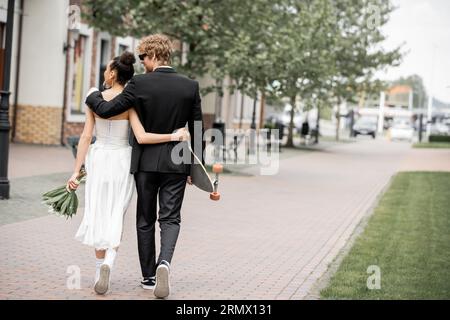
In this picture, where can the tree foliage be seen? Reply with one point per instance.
(315, 50)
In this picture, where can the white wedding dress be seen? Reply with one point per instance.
(109, 185)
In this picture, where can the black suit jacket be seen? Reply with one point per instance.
(164, 101)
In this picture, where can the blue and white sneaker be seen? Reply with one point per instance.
(148, 283)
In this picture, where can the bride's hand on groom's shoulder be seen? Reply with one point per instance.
(181, 134)
(91, 90)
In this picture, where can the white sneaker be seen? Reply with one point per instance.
(162, 286)
(102, 285)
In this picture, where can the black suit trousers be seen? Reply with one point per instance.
(170, 187)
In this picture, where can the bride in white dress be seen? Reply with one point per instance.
(109, 184)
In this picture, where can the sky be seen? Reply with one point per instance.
(424, 28)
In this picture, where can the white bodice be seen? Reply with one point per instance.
(112, 132)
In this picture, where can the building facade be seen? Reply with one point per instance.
(54, 63)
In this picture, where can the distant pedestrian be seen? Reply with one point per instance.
(304, 131)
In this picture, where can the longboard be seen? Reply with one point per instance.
(202, 180)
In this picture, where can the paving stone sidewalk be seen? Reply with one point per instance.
(270, 237)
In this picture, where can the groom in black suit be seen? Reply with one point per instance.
(164, 101)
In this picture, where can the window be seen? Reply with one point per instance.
(79, 45)
(79, 75)
(104, 60)
(122, 48)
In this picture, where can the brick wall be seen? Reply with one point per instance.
(38, 125)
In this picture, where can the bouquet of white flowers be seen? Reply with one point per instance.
(62, 200)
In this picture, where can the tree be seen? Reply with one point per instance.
(282, 48)
(191, 23)
(218, 38)
(358, 53)
(307, 47)
(252, 50)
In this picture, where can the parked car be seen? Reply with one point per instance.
(365, 126)
(402, 129)
(440, 128)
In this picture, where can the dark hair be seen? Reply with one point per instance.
(124, 66)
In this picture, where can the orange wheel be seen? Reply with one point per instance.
(217, 168)
(214, 196)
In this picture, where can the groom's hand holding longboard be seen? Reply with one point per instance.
(201, 179)
(182, 134)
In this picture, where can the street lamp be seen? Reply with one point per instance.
(5, 126)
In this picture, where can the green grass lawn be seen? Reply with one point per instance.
(438, 145)
(408, 237)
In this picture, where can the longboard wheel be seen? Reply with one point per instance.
(217, 168)
(214, 196)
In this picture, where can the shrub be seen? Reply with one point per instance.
(438, 138)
